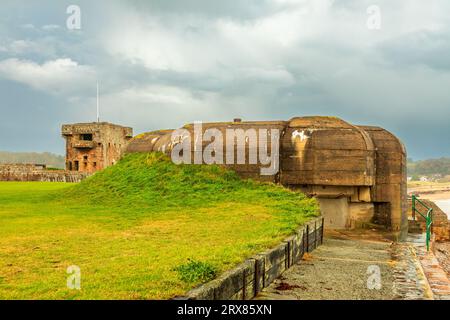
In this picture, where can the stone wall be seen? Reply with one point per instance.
(32, 172)
(248, 279)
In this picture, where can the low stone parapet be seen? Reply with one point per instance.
(249, 278)
(32, 172)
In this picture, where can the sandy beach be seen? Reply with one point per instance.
(432, 194)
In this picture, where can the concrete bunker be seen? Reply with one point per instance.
(357, 173)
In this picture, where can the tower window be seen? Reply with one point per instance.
(86, 136)
(85, 158)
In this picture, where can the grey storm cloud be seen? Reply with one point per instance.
(161, 64)
(426, 48)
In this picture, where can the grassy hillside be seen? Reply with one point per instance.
(50, 159)
(142, 229)
(151, 182)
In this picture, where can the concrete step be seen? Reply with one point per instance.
(417, 238)
(414, 227)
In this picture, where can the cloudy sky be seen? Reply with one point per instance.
(165, 63)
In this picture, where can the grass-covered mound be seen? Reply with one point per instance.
(151, 182)
(144, 228)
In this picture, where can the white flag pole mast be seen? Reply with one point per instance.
(98, 109)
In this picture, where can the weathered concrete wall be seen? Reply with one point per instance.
(162, 141)
(248, 279)
(326, 151)
(31, 172)
(335, 212)
(360, 214)
(145, 142)
(105, 146)
(339, 213)
(390, 182)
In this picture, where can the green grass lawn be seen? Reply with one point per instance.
(133, 228)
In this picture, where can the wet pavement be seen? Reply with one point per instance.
(354, 265)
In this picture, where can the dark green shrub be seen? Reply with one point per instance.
(196, 271)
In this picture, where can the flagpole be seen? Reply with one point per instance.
(98, 110)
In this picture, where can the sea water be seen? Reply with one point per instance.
(444, 205)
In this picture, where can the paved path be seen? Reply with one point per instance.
(348, 265)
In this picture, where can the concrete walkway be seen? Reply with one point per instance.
(354, 265)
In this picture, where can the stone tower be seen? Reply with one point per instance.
(91, 147)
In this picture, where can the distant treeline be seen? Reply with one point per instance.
(429, 167)
(50, 159)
